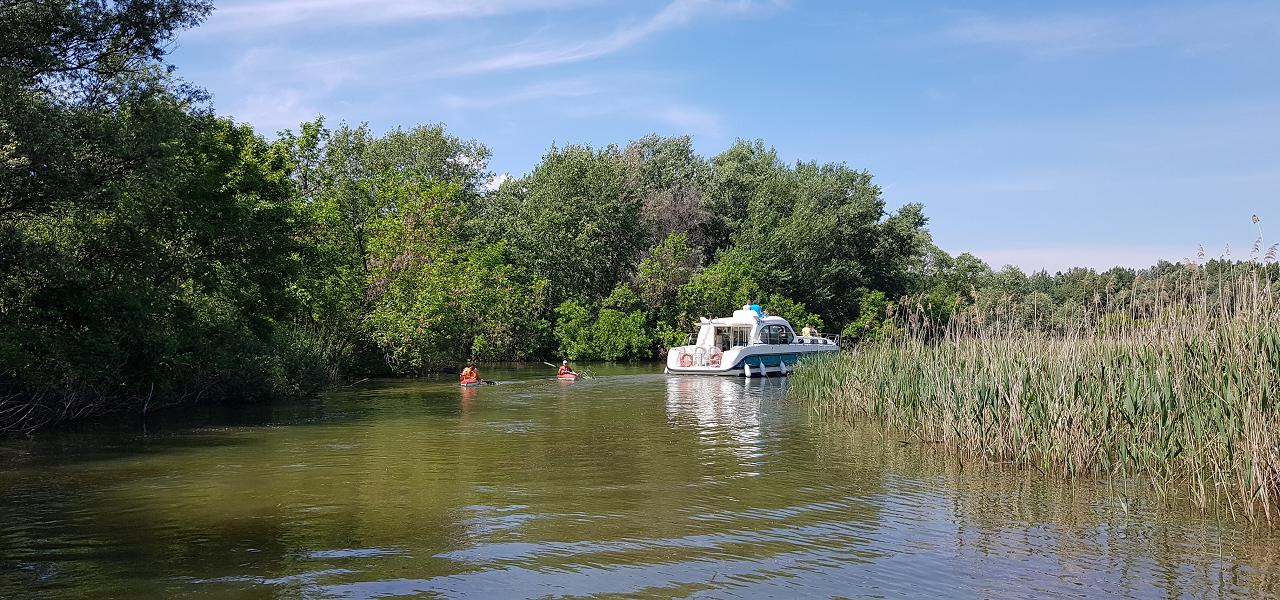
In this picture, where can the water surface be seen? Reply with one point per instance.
(632, 484)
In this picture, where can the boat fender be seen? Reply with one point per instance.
(746, 370)
(782, 366)
(686, 359)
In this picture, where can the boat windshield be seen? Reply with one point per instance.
(775, 334)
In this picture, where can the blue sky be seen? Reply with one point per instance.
(1035, 133)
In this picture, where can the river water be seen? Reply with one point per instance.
(631, 484)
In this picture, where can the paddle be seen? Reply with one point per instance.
(583, 373)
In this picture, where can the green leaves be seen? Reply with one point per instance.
(608, 334)
(572, 222)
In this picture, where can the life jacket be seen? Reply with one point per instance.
(565, 370)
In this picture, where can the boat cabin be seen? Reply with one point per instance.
(744, 328)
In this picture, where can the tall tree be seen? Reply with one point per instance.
(572, 221)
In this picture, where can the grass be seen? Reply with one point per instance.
(1181, 393)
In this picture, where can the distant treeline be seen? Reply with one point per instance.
(152, 252)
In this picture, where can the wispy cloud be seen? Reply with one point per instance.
(275, 111)
(1192, 30)
(688, 119)
(558, 89)
(675, 14)
(1043, 36)
(255, 14)
(616, 95)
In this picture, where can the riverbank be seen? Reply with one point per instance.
(1184, 398)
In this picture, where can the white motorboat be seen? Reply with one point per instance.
(751, 343)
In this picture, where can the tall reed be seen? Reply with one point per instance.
(1180, 391)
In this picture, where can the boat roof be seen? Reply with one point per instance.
(749, 317)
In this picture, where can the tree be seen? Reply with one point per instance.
(174, 292)
(665, 269)
(735, 177)
(822, 233)
(667, 176)
(397, 273)
(78, 80)
(572, 222)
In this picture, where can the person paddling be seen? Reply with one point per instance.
(470, 374)
(564, 369)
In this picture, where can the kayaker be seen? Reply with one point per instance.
(564, 368)
(469, 374)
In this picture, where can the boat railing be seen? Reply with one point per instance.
(820, 339)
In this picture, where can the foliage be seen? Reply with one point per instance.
(616, 331)
(572, 222)
(725, 286)
(666, 269)
(172, 292)
(874, 319)
(398, 280)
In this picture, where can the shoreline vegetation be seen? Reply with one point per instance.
(1171, 380)
(154, 253)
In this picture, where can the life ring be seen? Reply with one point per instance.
(686, 359)
(716, 358)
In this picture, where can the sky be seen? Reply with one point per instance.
(1043, 135)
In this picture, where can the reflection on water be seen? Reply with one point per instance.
(721, 406)
(634, 483)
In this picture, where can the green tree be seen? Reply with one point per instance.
(572, 222)
(664, 270)
(823, 233)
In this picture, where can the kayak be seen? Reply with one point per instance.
(470, 382)
(567, 377)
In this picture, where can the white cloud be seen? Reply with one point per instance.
(675, 14)
(253, 14)
(496, 182)
(275, 111)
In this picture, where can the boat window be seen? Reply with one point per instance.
(722, 338)
(741, 336)
(775, 334)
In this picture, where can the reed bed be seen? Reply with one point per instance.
(1181, 392)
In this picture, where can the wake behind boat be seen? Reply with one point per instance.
(750, 343)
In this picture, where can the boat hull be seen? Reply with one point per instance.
(750, 361)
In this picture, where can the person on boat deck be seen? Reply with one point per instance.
(564, 368)
(807, 331)
(469, 373)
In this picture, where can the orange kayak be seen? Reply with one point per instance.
(567, 376)
(469, 382)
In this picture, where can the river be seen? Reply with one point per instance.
(632, 483)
